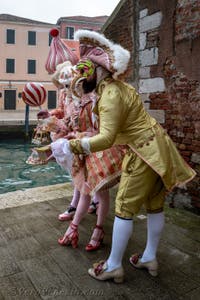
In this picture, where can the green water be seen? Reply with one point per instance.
(15, 174)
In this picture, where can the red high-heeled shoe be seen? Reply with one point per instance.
(71, 238)
(96, 239)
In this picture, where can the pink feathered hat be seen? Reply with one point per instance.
(58, 53)
(103, 52)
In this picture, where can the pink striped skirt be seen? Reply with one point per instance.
(98, 171)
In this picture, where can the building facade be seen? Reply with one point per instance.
(25, 45)
(68, 25)
(24, 49)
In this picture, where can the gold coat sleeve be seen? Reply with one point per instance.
(111, 115)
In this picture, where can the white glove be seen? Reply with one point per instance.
(62, 153)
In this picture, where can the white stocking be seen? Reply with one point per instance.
(122, 230)
(155, 224)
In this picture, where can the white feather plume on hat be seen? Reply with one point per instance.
(100, 50)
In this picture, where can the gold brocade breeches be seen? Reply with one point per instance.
(139, 185)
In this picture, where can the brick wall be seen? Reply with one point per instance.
(187, 24)
(165, 68)
(187, 37)
(181, 103)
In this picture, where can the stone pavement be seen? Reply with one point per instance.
(34, 266)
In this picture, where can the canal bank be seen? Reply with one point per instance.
(32, 195)
(12, 123)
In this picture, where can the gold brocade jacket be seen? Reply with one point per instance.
(123, 120)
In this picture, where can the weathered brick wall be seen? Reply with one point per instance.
(186, 37)
(187, 24)
(181, 102)
(165, 67)
(180, 97)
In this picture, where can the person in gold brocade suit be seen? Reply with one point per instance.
(152, 165)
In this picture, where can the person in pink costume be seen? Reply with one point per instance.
(91, 176)
(64, 120)
(59, 62)
(71, 118)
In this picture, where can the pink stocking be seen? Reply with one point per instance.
(75, 199)
(98, 232)
(81, 209)
(103, 208)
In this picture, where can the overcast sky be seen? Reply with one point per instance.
(51, 10)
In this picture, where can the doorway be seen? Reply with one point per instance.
(9, 99)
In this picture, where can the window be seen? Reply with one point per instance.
(51, 99)
(31, 66)
(10, 36)
(10, 65)
(31, 38)
(70, 33)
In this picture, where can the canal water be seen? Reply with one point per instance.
(15, 174)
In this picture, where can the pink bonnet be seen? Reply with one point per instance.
(59, 52)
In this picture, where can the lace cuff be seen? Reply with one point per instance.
(85, 145)
(80, 146)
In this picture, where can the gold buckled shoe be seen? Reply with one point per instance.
(99, 272)
(151, 266)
